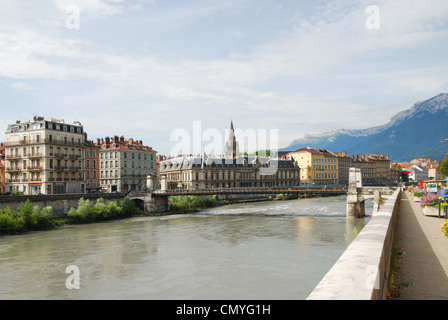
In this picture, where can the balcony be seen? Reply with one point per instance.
(13, 169)
(60, 155)
(64, 143)
(24, 142)
(13, 156)
(36, 168)
(60, 168)
(35, 155)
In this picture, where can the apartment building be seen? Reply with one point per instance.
(125, 164)
(2, 178)
(44, 156)
(317, 166)
(92, 166)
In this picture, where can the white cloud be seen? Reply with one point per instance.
(321, 63)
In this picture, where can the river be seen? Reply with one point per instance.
(264, 250)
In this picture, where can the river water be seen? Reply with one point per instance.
(264, 250)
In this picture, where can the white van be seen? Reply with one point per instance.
(432, 188)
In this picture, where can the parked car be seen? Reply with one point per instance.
(444, 194)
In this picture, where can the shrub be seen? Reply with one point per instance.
(101, 210)
(444, 228)
(26, 218)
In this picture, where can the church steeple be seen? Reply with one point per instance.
(231, 148)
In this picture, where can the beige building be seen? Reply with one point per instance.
(344, 164)
(229, 171)
(382, 168)
(204, 172)
(317, 166)
(367, 168)
(45, 156)
(124, 164)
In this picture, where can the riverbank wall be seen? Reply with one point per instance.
(61, 203)
(362, 272)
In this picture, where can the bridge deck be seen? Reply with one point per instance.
(250, 191)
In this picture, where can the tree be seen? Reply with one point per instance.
(442, 168)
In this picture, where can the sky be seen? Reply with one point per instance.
(170, 71)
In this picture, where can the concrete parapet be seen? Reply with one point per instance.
(362, 271)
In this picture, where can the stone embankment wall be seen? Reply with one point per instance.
(61, 203)
(362, 272)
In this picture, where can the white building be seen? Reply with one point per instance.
(418, 173)
(45, 156)
(125, 164)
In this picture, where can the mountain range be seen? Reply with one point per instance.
(419, 132)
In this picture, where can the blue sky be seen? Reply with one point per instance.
(144, 68)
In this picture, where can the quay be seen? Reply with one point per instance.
(363, 271)
(423, 263)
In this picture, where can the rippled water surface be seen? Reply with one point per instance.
(264, 250)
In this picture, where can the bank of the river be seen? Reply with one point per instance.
(31, 218)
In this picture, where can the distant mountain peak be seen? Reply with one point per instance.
(403, 129)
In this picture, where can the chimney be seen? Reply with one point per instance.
(98, 141)
(107, 140)
(115, 139)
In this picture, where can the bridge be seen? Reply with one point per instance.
(357, 194)
(158, 200)
(154, 201)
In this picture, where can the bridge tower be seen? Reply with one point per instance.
(355, 198)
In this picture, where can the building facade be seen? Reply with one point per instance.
(125, 164)
(367, 168)
(92, 166)
(382, 166)
(344, 164)
(45, 156)
(204, 172)
(228, 171)
(2, 178)
(317, 166)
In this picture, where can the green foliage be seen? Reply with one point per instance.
(442, 168)
(354, 235)
(444, 228)
(29, 218)
(25, 218)
(186, 204)
(87, 211)
(287, 196)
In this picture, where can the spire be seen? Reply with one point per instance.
(231, 148)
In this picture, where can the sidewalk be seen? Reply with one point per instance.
(424, 260)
